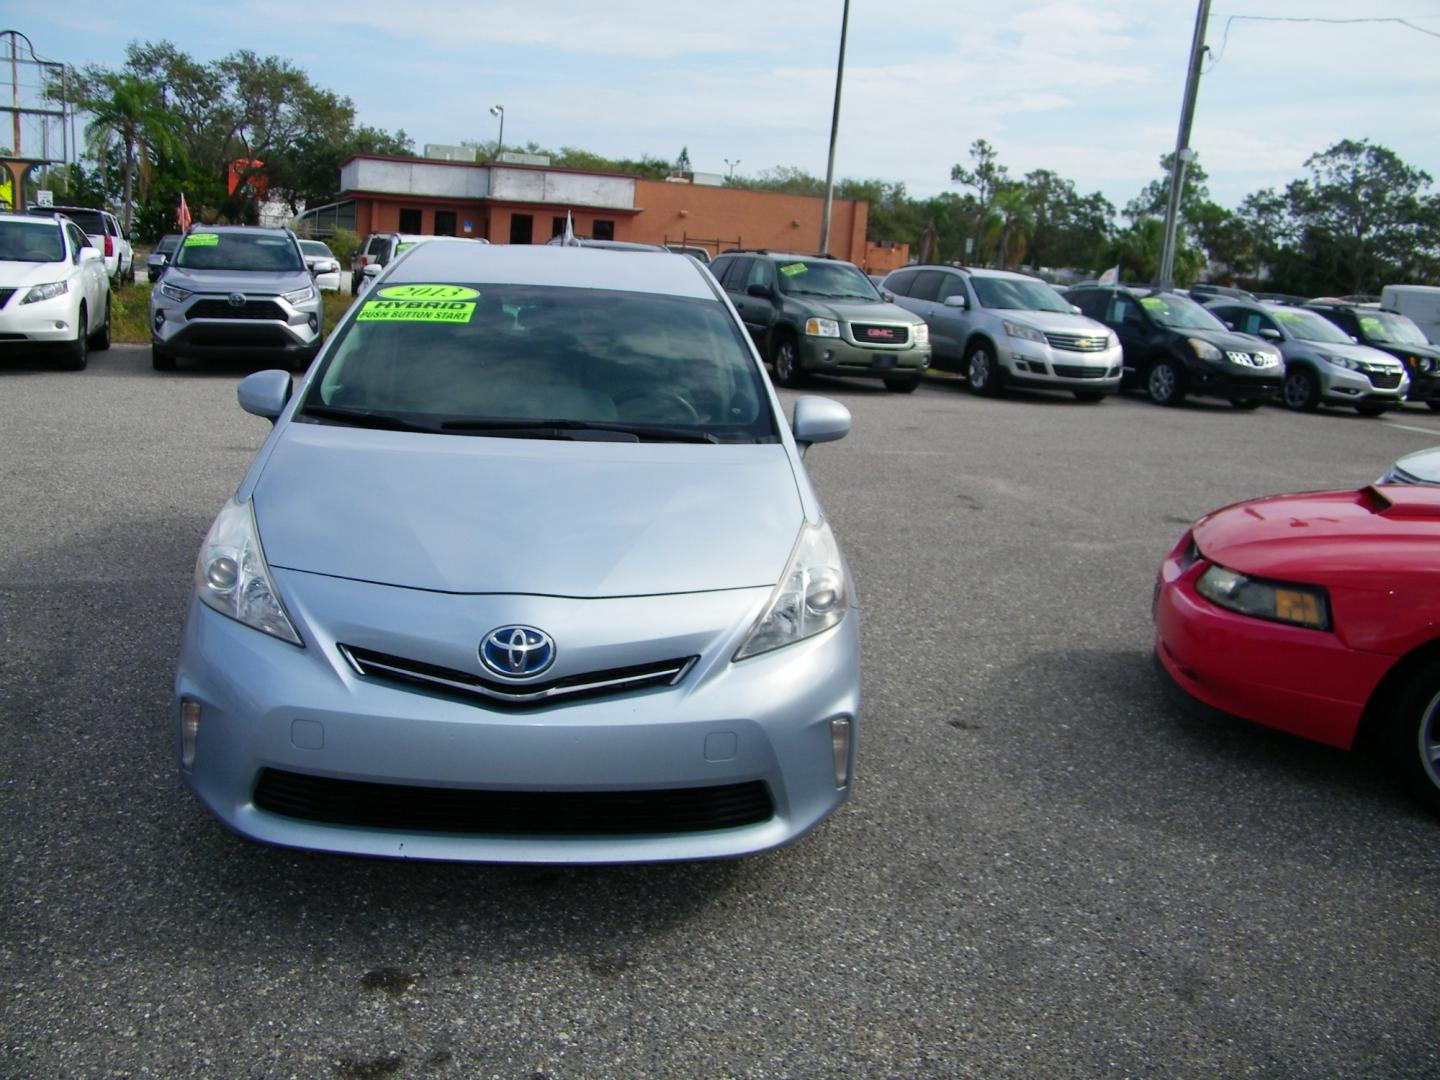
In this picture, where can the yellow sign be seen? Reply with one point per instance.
(202, 239)
(428, 292)
(435, 311)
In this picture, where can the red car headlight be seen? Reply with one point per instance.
(1278, 601)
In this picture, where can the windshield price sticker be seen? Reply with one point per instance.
(793, 269)
(1370, 325)
(433, 311)
(1152, 303)
(202, 239)
(428, 292)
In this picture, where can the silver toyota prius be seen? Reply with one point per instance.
(528, 570)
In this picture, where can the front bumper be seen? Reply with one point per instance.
(1344, 386)
(1424, 385)
(44, 322)
(836, 356)
(1306, 682)
(1031, 363)
(294, 331)
(1233, 381)
(268, 705)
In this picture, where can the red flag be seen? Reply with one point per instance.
(183, 217)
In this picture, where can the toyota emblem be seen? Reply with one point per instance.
(237, 299)
(517, 652)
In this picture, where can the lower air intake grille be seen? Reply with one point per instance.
(511, 813)
(1384, 378)
(1079, 371)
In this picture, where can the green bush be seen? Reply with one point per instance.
(344, 244)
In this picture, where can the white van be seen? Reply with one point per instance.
(1420, 302)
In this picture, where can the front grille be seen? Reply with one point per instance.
(880, 334)
(1078, 342)
(1383, 378)
(463, 684)
(223, 309)
(510, 813)
(1076, 371)
(237, 336)
(5, 295)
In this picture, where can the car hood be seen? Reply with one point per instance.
(1355, 352)
(484, 515)
(250, 282)
(1423, 465)
(860, 310)
(1228, 340)
(19, 275)
(1052, 322)
(1360, 538)
(1430, 352)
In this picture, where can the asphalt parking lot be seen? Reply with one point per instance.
(1045, 870)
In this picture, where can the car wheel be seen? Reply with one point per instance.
(1245, 404)
(1412, 737)
(980, 371)
(101, 340)
(1372, 408)
(1166, 383)
(77, 353)
(902, 386)
(1090, 397)
(161, 360)
(1302, 390)
(787, 362)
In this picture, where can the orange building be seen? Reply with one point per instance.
(508, 203)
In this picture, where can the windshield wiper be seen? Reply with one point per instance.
(365, 418)
(558, 429)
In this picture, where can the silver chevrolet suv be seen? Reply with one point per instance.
(1001, 328)
(233, 291)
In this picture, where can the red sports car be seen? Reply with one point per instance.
(1318, 614)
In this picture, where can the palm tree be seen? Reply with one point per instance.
(1017, 222)
(131, 110)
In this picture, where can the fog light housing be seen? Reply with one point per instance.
(189, 731)
(840, 729)
(314, 323)
(159, 319)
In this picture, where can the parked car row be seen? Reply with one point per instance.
(54, 287)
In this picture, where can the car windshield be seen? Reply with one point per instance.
(90, 221)
(1307, 326)
(167, 244)
(315, 247)
(1179, 312)
(1012, 294)
(1391, 329)
(238, 251)
(30, 241)
(837, 280)
(530, 361)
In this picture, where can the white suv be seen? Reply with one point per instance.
(105, 233)
(1007, 328)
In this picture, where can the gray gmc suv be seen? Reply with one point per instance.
(236, 291)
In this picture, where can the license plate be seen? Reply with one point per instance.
(885, 361)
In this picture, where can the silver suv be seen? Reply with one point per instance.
(1323, 364)
(236, 291)
(1001, 327)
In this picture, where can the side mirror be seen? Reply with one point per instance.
(1270, 334)
(1355, 339)
(956, 301)
(818, 419)
(90, 254)
(888, 297)
(1075, 310)
(265, 393)
(765, 292)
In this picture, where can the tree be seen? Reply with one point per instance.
(682, 163)
(129, 110)
(1067, 229)
(988, 177)
(1137, 252)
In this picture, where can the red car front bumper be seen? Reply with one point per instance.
(1307, 682)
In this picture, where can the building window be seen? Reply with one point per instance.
(520, 228)
(444, 222)
(557, 226)
(409, 220)
(603, 230)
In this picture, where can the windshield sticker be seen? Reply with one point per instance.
(1152, 303)
(428, 292)
(404, 247)
(1288, 316)
(441, 311)
(202, 239)
(1372, 326)
(793, 269)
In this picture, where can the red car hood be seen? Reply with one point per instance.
(1363, 539)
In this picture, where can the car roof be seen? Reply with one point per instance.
(252, 229)
(6, 215)
(450, 259)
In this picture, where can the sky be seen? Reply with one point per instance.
(1090, 90)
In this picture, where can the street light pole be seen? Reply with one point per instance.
(499, 110)
(1183, 153)
(731, 166)
(834, 131)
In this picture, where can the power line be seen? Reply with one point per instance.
(1225, 37)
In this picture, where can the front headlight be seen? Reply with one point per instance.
(47, 291)
(822, 328)
(1020, 330)
(1342, 361)
(921, 334)
(1278, 601)
(1203, 349)
(177, 294)
(811, 596)
(299, 296)
(231, 575)
(1266, 359)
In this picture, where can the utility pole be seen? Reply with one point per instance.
(1183, 153)
(834, 130)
